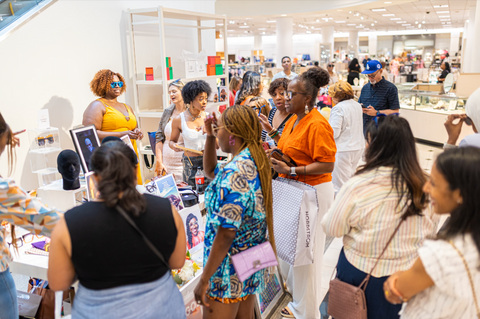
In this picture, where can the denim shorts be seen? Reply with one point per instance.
(157, 299)
(8, 296)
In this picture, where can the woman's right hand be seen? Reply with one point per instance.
(453, 130)
(159, 169)
(209, 122)
(264, 122)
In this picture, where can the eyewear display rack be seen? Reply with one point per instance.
(162, 17)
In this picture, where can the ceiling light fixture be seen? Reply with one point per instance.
(388, 15)
(361, 18)
(312, 27)
(372, 24)
(444, 16)
(317, 20)
(416, 22)
(395, 19)
(377, 10)
(388, 2)
(405, 25)
(401, 21)
(262, 28)
(441, 6)
(271, 21)
(351, 24)
(244, 23)
(244, 27)
(420, 25)
(248, 18)
(339, 21)
(220, 24)
(439, 12)
(444, 19)
(284, 15)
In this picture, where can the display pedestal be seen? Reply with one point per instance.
(54, 195)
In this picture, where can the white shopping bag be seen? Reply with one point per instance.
(295, 212)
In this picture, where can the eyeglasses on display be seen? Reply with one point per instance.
(27, 238)
(290, 94)
(116, 84)
(41, 140)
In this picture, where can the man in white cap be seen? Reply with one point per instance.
(378, 97)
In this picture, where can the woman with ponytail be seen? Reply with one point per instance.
(239, 213)
(120, 275)
(307, 138)
(17, 208)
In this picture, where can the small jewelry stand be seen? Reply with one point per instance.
(43, 153)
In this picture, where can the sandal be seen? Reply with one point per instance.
(286, 313)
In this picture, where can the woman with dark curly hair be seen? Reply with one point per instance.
(110, 117)
(239, 213)
(278, 116)
(251, 86)
(190, 124)
(194, 236)
(308, 140)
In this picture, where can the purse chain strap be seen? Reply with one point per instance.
(469, 277)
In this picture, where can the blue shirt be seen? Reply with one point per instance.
(382, 96)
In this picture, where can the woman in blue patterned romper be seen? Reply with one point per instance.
(239, 213)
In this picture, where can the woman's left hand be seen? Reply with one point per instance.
(201, 293)
(139, 133)
(389, 288)
(280, 167)
(209, 122)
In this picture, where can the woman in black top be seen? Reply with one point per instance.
(353, 71)
(445, 66)
(120, 276)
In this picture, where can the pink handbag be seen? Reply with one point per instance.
(254, 259)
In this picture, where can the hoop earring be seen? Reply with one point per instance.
(306, 109)
(231, 140)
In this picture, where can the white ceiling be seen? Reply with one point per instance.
(413, 13)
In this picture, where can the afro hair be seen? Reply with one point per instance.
(192, 89)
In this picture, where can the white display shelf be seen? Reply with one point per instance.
(46, 150)
(160, 82)
(169, 13)
(145, 82)
(150, 113)
(46, 171)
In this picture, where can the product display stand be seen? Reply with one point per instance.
(43, 153)
(55, 196)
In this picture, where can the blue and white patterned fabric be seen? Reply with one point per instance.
(234, 199)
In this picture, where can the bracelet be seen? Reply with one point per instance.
(273, 136)
(272, 131)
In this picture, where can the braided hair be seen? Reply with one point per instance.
(242, 121)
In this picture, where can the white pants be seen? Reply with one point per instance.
(304, 282)
(345, 166)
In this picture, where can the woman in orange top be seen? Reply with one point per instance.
(307, 139)
(110, 117)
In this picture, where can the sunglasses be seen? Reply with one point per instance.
(290, 94)
(116, 84)
(41, 140)
(331, 65)
(383, 115)
(259, 109)
(468, 121)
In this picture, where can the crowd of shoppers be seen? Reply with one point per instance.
(389, 196)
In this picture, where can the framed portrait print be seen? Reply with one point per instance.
(86, 141)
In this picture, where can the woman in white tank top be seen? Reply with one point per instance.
(190, 125)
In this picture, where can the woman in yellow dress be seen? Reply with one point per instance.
(110, 117)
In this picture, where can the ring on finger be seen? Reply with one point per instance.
(199, 302)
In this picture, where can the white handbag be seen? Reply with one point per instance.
(295, 212)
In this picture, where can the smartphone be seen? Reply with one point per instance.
(363, 107)
(266, 146)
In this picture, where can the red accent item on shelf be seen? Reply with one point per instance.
(212, 60)
(149, 77)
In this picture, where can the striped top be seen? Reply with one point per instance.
(20, 209)
(451, 297)
(365, 213)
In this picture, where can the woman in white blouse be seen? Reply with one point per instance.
(369, 207)
(346, 119)
(439, 285)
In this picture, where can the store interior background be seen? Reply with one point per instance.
(49, 61)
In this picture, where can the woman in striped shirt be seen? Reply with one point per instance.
(439, 285)
(386, 190)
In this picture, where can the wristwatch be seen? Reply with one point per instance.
(292, 172)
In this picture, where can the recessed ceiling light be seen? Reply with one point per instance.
(271, 21)
(317, 20)
(361, 18)
(312, 27)
(441, 6)
(351, 24)
(449, 23)
(376, 10)
(443, 22)
(231, 22)
(244, 23)
(263, 32)
(416, 22)
(283, 15)
(420, 25)
(358, 26)
(444, 19)
(438, 12)
(388, 15)
(309, 31)
(372, 24)
(423, 22)
(401, 21)
(444, 16)
(244, 27)
(468, 21)
(262, 28)
(220, 24)
(395, 19)
(339, 21)
(246, 31)
(388, 2)
(405, 25)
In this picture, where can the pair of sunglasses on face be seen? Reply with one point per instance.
(116, 84)
(42, 140)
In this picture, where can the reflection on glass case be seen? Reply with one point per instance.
(431, 102)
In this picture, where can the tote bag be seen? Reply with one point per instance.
(295, 211)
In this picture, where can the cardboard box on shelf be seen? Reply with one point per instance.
(218, 69)
(211, 70)
(212, 60)
(168, 62)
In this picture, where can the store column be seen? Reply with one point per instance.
(475, 39)
(468, 58)
(257, 46)
(327, 42)
(372, 46)
(353, 43)
(284, 39)
(454, 40)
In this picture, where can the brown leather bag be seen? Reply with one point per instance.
(347, 301)
(47, 305)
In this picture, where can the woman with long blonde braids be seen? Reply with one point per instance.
(239, 212)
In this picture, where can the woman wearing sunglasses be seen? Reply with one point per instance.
(110, 117)
(17, 208)
(472, 117)
(308, 140)
(333, 75)
(384, 193)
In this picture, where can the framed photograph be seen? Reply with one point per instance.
(92, 191)
(222, 93)
(125, 139)
(268, 299)
(194, 228)
(86, 142)
(167, 188)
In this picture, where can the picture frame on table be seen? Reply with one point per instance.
(92, 190)
(125, 139)
(194, 228)
(167, 188)
(86, 141)
(273, 293)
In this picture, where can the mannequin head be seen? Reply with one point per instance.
(68, 165)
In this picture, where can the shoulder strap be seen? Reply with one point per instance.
(285, 120)
(365, 281)
(147, 241)
(469, 277)
(105, 104)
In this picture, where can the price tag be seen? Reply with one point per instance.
(453, 105)
(43, 120)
